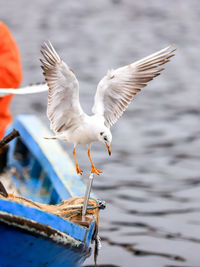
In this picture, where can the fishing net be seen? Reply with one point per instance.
(70, 209)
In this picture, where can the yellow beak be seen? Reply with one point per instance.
(109, 149)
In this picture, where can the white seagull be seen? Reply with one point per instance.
(113, 95)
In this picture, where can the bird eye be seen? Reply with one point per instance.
(105, 138)
(101, 133)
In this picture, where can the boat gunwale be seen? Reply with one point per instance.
(51, 156)
(58, 223)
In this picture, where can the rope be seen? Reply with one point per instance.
(69, 209)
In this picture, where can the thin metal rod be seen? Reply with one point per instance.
(87, 193)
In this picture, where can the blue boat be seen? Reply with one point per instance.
(42, 172)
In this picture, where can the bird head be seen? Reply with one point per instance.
(105, 137)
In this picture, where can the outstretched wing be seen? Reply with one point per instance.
(116, 90)
(63, 108)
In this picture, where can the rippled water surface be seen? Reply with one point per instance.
(152, 181)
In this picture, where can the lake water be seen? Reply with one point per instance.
(151, 183)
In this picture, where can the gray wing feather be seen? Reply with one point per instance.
(116, 90)
(63, 109)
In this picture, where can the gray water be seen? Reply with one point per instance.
(151, 183)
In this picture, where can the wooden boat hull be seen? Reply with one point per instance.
(26, 248)
(30, 236)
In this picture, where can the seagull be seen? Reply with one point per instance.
(113, 95)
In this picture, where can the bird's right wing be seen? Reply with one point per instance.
(63, 108)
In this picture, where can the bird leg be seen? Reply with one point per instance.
(93, 168)
(78, 169)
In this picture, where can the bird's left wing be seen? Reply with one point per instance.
(63, 108)
(116, 90)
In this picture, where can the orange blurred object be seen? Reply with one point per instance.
(10, 73)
